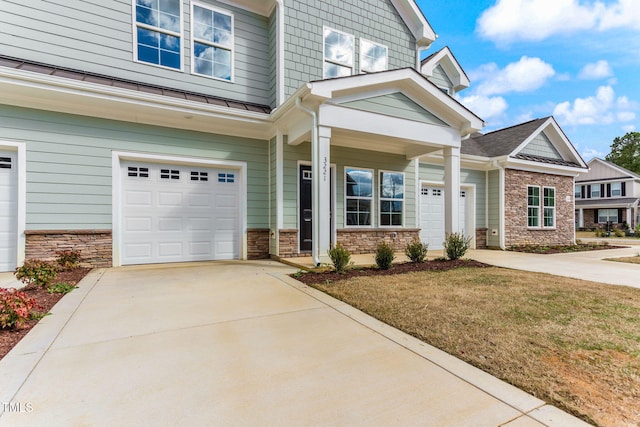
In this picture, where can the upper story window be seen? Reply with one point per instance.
(391, 198)
(338, 53)
(212, 42)
(577, 192)
(358, 196)
(595, 191)
(158, 32)
(616, 189)
(373, 56)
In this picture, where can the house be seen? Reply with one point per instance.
(607, 195)
(151, 131)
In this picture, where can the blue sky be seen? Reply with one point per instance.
(578, 60)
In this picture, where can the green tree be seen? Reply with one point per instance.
(625, 151)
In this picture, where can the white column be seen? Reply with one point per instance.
(322, 179)
(580, 218)
(451, 190)
(629, 217)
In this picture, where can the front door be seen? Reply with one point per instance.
(306, 229)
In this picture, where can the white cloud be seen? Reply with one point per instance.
(528, 74)
(486, 107)
(534, 20)
(603, 108)
(629, 128)
(589, 153)
(596, 71)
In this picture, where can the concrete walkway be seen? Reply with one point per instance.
(239, 343)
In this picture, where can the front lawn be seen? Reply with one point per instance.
(629, 259)
(572, 343)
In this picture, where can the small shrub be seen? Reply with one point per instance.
(416, 251)
(68, 260)
(15, 308)
(618, 233)
(60, 288)
(340, 257)
(456, 245)
(36, 271)
(384, 256)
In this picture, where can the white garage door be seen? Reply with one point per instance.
(175, 213)
(8, 210)
(432, 215)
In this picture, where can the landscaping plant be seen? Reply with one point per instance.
(384, 256)
(60, 288)
(15, 308)
(38, 272)
(68, 260)
(456, 245)
(416, 251)
(340, 257)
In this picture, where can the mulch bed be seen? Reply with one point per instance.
(9, 337)
(563, 249)
(408, 267)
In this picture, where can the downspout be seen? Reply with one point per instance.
(315, 187)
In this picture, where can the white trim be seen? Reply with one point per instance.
(502, 209)
(193, 40)
(21, 149)
(116, 182)
(386, 56)
(279, 180)
(372, 198)
(159, 30)
(404, 199)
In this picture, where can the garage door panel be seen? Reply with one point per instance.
(170, 249)
(170, 199)
(170, 224)
(200, 224)
(139, 251)
(199, 200)
(138, 198)
(138, 224)
(200, 248)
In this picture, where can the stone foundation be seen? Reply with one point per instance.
(365, 241)
(95, 246)
(481, 238)
(288, 243)
(257, 243)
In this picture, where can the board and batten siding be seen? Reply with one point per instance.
(493, 208)
(435, 173)
(97, 36)
(395, 105)
(374, 20)
(69, 164)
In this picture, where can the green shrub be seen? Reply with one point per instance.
(36, 271)
(384, 256)
(340, 257)
(68, 260)
(60, 288)
(600, 232)
(416, 251)
(15, 308)
(456, 245)
(618, 233)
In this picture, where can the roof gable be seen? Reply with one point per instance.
(600, 169)
(395, 104)
(541, 146)
(448, 63)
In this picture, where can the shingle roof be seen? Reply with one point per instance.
(627, 201)
(502, 142)
(20, 64)
(546, 160)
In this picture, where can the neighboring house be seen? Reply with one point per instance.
(607, 195)
(151, 131)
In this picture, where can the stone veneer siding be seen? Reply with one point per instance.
(481, 238)
(365, 241)
(95, 246)
(288, 243)
(257, 243)
(516, 230)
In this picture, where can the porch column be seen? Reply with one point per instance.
(580, 218)
(451, 190)
(322, 186)
(629, 218)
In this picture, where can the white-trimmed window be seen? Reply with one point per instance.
(577, 192)
(616, 189)
(373, 56)
(391, 199)
(607, 215)
(338, 48)
(595, 191)
(211, 42)
(158, 32)
(544, 203)
(358, 196)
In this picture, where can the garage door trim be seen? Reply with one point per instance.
(120, 156)
(21, 164)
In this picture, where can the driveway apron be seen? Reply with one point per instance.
(238, 343)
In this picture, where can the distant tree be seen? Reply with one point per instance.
(625, 151)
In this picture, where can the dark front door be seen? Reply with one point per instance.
(305, 208)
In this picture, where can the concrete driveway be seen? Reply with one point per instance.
(238, 343)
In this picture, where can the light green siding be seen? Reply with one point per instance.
(493, 211)
(342, 157)
(68, 33)
(69, 164)
(396, 105)
(541, 146)
(435, 173)
(440, 79)
(273, 79)
(375, 20)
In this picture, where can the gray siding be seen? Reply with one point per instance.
(493, 208)
(69, 164)
(396, 105)
(541, 146)
(97, 36)
(375, 20)
(440, 79)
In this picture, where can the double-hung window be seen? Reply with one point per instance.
(358, 196)
(616, 189)
(339, 50)
(607, 215)
(391, 198)
(158, 32)
(373, 56)
(544, 204)
(595, 191)
(211, 42)
(577, 192)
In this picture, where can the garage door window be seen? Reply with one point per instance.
(171, 174)
(137, 172)
(226, 177)
(391, 198)
(199, 176)
(5, 162)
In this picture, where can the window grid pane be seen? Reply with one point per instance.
(212, 43)
(358, 196)
(373, 56)
(158, 32)
(391, 198)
